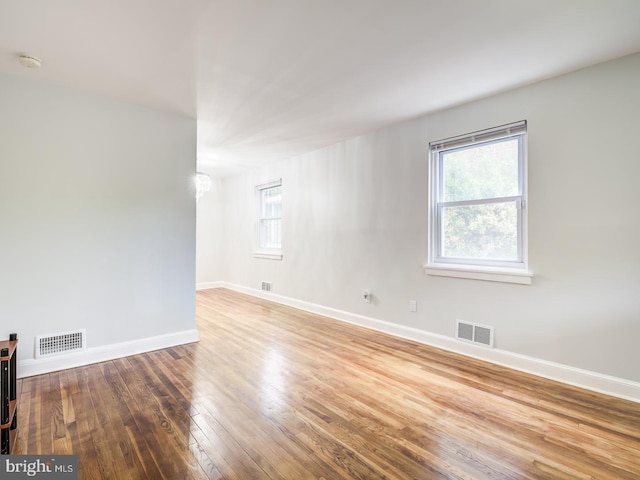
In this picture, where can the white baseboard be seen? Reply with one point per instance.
(32, 366)
(617, 387)
(207, 285)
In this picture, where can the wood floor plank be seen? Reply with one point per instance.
(271, 392)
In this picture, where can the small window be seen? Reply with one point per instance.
(478, 205)
(269, 227)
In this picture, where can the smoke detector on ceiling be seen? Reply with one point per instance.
(30, 61)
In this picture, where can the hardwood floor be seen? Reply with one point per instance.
(271, 392)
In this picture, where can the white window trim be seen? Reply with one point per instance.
(265, 253)
(476, 270)
(492, 274)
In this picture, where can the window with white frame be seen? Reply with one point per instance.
(269, 224)
(477, 208)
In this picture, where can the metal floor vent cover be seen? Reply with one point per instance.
(47, 345)
(474, 333)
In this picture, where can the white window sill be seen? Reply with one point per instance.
(268, 255)
(505, 275)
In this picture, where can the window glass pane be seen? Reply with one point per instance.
(487, 232)
(271, 202)
(270, 233)
(488, 170)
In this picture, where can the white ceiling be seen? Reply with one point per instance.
(269, 79)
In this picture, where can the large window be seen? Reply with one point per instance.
(478, 205)
(269, 227)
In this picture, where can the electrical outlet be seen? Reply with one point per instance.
(413, 306)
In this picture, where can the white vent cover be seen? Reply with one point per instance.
(47, 345)
(474, 333)
(266, 286)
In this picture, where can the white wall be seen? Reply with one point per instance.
(97, 217)
(355, 218)
(209, 234)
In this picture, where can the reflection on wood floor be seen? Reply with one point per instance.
(271, 392)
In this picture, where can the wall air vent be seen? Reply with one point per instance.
(266, 286)
(474, 333)
(66, 342)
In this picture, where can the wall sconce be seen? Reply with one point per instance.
(203, 184)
